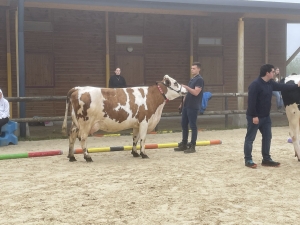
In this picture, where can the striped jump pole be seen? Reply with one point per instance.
(31, 154)
(147, 146)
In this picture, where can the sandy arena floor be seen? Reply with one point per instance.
(211, 186)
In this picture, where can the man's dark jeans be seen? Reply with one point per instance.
(264, 127)
(189, 117)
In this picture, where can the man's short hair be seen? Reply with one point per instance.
(196, 64)
(264, 69)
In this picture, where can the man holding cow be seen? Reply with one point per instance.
(258, 114)
(190, 109)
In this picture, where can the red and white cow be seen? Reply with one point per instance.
(291, 100)
(115, 109)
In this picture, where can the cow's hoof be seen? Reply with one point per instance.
(144, 156)
(298, 160)
(135, 154)
(88, 159)
(72, 159)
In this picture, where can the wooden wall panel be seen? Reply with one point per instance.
(78, 45)
(230, 59)
(166, 41)
(3, 51)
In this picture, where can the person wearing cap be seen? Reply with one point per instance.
(4, 110)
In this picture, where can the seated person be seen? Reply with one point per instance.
(4, 110)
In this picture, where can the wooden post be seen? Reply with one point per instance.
(17, 59)
(240, 78)
(266, 41)
(107, 49)
(191, 45)
(8, 56)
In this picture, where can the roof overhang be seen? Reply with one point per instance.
(242, 8)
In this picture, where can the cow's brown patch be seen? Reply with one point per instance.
(141, 90)
(86, 98)
(133, 106)
(153, 100)
(114, 98)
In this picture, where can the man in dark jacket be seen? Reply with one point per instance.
(258, 114)
(117, 81)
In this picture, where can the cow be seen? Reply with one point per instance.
(115, 109)
(291, 100)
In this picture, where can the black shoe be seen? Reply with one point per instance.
(191, 148)
(251, 164)
(181, 147)
(270, 163)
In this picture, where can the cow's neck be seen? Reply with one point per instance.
(162, 92)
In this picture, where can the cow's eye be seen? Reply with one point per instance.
(168, 83)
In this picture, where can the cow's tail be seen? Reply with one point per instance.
(64, 126)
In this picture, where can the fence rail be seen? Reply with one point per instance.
(225, 112)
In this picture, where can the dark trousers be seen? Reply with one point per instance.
(189, 117)
(264, 126)
(3, 121)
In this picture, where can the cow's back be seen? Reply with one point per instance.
(292, 96)
(115, 109)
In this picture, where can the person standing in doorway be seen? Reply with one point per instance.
(190, 109)
(117, 81)
(258, 114)
(4, 110)
(277, 94)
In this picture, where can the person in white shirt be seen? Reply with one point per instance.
(4, 110)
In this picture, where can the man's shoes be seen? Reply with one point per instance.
(181, 147)
(191, 148)
(270, 163)
(250, 164)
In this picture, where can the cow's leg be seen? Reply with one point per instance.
(143, 133)
(72, 138)
(292, 113)
(135, 138)
(86, 156)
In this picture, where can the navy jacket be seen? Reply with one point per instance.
(260, 96)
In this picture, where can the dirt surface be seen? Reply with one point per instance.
(211, 186)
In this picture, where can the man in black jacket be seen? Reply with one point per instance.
(258, 114)
(117, 81)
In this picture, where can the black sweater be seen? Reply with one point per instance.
(260, 96)
(117, 81)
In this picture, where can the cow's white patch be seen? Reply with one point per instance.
(295, 78)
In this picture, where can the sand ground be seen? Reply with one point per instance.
(211, 186)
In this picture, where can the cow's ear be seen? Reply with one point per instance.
(167, 82)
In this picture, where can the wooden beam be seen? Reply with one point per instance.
(8, 59)
(241, 48)
(266, 40)
(273, 16)
(107, 49)
(191, 44)
(292, 56)
(114, 8)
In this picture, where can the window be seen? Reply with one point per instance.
(129, 39)
(38, 26)
(210, 41)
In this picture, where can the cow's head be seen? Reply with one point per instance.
(174, 88)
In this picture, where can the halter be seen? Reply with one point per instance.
(163, 94)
